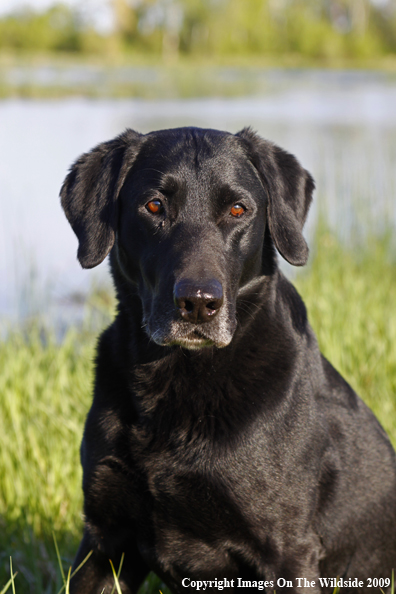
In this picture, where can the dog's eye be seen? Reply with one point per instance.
(154, 206)
(237, 210)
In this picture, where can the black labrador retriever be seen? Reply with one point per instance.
(222, 450)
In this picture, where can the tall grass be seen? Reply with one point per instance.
(45, 393)
(351, 301)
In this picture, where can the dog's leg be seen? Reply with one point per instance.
(96, 576)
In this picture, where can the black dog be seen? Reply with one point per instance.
(220, 444)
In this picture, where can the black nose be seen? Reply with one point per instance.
(198, 302)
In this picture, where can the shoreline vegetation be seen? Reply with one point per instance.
(187, 42)
(45, 387)
(50, 76)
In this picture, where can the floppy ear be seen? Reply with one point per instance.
(289, 187)
(89, 195)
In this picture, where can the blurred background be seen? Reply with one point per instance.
(318, 77)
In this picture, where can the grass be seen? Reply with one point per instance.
(45, 388)
(351, 297)
(45, 391)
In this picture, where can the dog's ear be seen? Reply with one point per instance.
(289, 187)
(90, 191)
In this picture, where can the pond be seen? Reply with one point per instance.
(340, 125)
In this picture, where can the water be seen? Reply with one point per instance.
(341, 126)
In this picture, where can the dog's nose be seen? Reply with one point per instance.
(198, 302)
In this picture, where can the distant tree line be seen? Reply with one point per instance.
(327, 29)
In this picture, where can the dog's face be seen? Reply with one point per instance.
(192, 220)
(186, 211)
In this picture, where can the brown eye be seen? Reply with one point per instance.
(154, 206)
(237, 210)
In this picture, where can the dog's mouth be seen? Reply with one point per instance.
(194, 340)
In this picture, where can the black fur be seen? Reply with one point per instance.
(220, 442)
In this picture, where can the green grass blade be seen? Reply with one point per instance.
(8, 584)
(392, 583)
(116, 582)
(119, 572)
(76, 570)
(68, 582)
(59, 558)
(81, 564)
(12, 577)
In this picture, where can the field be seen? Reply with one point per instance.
(45, 387)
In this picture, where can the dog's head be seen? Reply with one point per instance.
(186, 212)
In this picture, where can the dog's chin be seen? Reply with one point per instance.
(193, 344)
(192, 341)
